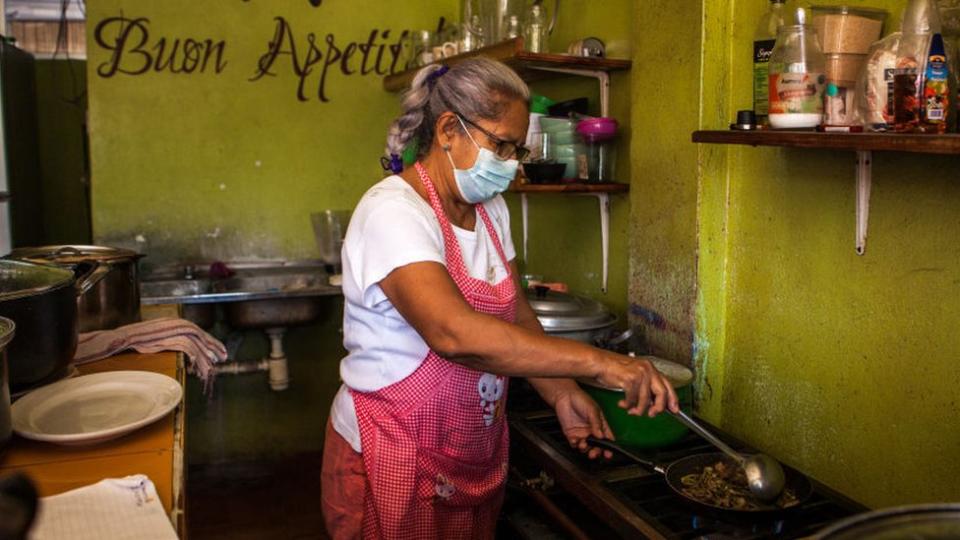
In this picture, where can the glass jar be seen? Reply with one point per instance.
(797, 79)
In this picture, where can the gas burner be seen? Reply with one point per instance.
(635, 502)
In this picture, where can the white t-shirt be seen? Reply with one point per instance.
(392, 227)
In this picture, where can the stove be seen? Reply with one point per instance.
(619, 498)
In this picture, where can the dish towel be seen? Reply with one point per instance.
(115, 508)
(156, 335)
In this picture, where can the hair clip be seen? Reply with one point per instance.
(432, 78)
(394, 164)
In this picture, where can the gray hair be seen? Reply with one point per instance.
(477, 88)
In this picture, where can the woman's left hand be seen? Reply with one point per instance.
(580, 417)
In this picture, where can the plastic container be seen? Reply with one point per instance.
(598, 134)
(764, 40)
(844, 67)
(846, 29)
(797, 77)
(568, 155)
(921, 80)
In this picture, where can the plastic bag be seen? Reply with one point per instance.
(875, 84)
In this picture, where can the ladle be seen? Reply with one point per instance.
(765, 476)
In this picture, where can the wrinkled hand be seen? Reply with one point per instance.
(645, 388)
(580, 417)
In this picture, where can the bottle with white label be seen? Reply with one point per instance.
(763, 42)
(797, 77)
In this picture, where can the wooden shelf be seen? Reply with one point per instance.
(888, 142)
(523, 62)
(570, 188)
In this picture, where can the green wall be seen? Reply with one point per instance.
(844, 366)
(205, 166)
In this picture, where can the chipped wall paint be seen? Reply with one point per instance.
(663, 195)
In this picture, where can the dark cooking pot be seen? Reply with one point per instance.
(6, 335)
(571, 316)
(114, 298)
(42, 301)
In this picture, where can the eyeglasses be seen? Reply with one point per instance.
(504, 149)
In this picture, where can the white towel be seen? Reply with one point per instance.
(115, 508)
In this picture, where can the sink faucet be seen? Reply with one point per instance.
(188, 272)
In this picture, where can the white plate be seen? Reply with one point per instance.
(95, 408)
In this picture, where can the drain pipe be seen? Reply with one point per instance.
(279, 374)
(239, 368)
(275, 364)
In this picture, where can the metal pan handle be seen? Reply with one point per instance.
(88, 274)
(610, 445)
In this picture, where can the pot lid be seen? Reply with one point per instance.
(678, 375)
(562, 312)
(74, 254)
(19, 279)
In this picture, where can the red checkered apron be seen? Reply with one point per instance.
(435, 444)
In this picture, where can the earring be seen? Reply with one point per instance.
(446, 147)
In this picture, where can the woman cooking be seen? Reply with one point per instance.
(435, 322)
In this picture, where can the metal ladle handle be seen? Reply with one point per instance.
(700, 430)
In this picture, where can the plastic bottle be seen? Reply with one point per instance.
(921, 80)
(763, 42)
(797, 77)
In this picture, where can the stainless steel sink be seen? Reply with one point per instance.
(260, 297)
(280, 299)
(173, 288)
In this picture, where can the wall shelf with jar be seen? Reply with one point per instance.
(532, 66)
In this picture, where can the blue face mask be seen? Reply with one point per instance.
(489, 176)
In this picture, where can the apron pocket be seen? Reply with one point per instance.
(445, 481)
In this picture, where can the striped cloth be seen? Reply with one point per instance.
(156, 335)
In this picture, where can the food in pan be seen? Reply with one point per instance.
(724, 484)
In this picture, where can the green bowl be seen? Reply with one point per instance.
(643, 431)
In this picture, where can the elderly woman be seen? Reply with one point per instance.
(435, 323)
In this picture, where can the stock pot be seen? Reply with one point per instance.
(42, 302)
(570, 316)
(6, 335)
(113, 298)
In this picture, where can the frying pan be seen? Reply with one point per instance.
(674, 472)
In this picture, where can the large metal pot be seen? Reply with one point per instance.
(921, 522)
(571, 316)
(643, 431)
(114, 298)
(42, 301)
(6, 335)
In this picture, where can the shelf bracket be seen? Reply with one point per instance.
(864, 180)
(602, 77)
(604, 201)
(525, 216)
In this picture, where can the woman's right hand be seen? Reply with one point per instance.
(645, 389)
